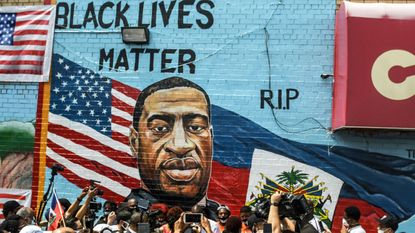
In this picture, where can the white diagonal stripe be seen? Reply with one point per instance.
(120, 129)
(117, 112)
(128, 100)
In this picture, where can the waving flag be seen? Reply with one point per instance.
(55, 213)
(88, 128)
(26, 38)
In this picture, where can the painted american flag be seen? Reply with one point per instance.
(88, 129)
(26, 38)
(23, 196)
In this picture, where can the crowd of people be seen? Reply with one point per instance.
(128, 217)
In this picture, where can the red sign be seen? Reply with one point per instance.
(374, 66)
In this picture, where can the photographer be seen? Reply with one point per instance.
(273, 216)
(201, 225)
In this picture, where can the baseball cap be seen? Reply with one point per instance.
(388, 221)
(10, 206)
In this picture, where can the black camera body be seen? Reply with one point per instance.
(291, 206)
(294, 206)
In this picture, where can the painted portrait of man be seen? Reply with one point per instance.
(172, 140)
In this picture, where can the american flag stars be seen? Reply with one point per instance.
(81, 95)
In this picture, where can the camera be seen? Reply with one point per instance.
(92, 186)
(95, 206)
(291, 206)
(294, 206)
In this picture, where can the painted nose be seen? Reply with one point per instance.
(179, 144)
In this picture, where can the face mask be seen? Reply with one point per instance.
(106, 213)
(345, 223)
(381, 231)
(245, 222)
(223, 220)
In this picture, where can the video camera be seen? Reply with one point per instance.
(291, 206)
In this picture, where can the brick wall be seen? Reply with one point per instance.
(374, 1)
(20, 2)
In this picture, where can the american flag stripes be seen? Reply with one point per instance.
(88, 129)
(26, 38)
(22, 196)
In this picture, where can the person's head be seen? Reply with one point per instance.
(65, 203)
(132, 204)
(387, 224)
(244, 214)
(28, 215)
(10, 207)
(172, 139)
(233, 225)
(352, 215)
(64, 230)
(74, 223)
(173, 214)
(223, 213)
(256, 224)
(109, 206)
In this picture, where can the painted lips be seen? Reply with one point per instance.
(180, 169)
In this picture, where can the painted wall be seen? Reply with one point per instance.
(240, 53)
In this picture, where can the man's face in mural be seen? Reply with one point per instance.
(175, 143)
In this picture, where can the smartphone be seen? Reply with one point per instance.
(192, 218)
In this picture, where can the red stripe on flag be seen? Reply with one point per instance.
(30, 42)
(20, 71)
(121, 121)
(34, 13)
(21, 62)
(12, 196)
(120, 138)
(22, 52)
(230, 191)
(125, 89)
(30, 32)
(117, 103)
(94, 166)
(92, 144)
(32, 22)
(82, 183)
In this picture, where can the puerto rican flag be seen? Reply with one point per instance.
(88, 134)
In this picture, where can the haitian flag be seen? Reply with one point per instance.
(55, 213)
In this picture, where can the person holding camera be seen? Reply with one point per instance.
(201, 225)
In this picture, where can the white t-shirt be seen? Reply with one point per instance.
(357, 229)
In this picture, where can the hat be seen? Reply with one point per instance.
(10, 206)
(223, 207)
(388, 221)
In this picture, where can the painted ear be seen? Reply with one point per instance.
(133, 138)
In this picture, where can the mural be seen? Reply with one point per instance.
(175, 134)
(16, 154)
(218, 108)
